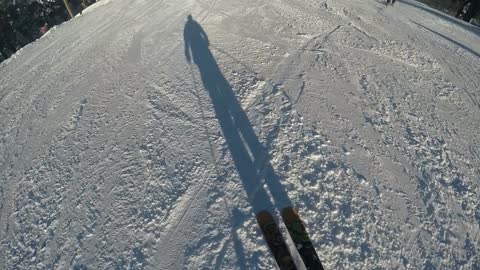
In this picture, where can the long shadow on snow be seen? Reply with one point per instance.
(249, 155)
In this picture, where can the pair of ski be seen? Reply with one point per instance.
(299, 235)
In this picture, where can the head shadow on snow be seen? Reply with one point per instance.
(249, 155)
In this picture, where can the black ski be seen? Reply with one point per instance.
(300, 238)
(275, 241)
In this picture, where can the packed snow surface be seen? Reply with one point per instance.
(132, 137)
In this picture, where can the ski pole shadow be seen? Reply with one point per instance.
(249, 155)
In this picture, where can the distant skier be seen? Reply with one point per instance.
(461, 9)
(44, 29)
(391, 2)
(470, 9)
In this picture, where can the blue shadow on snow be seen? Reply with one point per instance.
(249, 155)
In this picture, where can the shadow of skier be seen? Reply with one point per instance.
(249, 155)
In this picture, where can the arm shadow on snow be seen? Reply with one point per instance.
(448, 39)
(458, 22)
(249, 155)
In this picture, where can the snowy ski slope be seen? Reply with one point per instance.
(117, 153)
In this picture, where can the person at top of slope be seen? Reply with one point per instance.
(391, 2)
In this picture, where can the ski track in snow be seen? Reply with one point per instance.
(113, 155)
